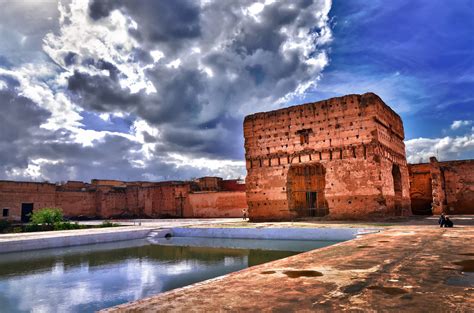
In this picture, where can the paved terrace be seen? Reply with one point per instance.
(404, 268)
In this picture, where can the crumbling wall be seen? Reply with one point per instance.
(447, 186)
(217, 204)
(421, 192)
(232, 185)
(356, 138)
(459, 186)
(13, 194)
(115, 199)
(76, 203)
(170, 200)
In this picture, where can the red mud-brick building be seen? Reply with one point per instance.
(109, 198)
(343, 157)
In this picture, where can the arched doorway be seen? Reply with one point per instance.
(305, 187)
(397, 188)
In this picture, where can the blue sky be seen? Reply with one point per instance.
(417, 55)
(153, 90)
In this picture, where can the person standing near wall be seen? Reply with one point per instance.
(442, 220)
(244, 214)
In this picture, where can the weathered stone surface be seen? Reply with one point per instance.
(344, 157)
(218, 204)
(406, 269)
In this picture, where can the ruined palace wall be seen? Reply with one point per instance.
(76, 203)
(420, 188)
(218, 204)
(459, 186)
(13, 194)
(117, 199)
(45, 195)
(340, 133)
(169, 201)
(446, 186)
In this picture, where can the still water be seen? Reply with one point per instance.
(92, 277)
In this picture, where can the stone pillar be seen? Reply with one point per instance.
(437, 186)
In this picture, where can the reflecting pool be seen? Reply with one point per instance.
(92, 277)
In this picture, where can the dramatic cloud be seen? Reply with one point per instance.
(156, 89)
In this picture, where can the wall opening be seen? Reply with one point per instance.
(304, 135)
(397, 188)
(26, 210)
(5, 212)
(305, 190)
(397, 180)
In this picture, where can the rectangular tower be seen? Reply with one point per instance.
(343, 157)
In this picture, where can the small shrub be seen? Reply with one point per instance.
(47, 216)
(4, 225)
(17, 229)
(108, 224)
(67, 226)
(35, 227)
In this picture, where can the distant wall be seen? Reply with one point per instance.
(217, 204)
(420, 189)
(446, 186)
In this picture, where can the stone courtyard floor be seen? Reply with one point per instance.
(410, 266)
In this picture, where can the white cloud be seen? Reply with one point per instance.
(446, 148)
(461, 123)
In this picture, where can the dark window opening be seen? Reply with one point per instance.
(26, 210)
(304, 135)
(397, 179)
(5, 212)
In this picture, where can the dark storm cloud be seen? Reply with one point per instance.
(178, 97)
(102, 8)
(19, 120)
(22, 141)
(101, 93)
(240, 61)
(159, 20)
(191, 69)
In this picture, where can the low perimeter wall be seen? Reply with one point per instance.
(274, 233)
(45, 240)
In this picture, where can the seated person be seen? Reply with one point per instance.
(448, 222)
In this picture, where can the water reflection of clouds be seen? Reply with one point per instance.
(91, 281)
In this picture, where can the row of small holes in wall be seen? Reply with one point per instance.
(348, 201)
(283, 121)
(269, 161)
(287, 134)
(305, 142)
(264, 203)
(322, 106)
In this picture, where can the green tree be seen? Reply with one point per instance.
(47, 216)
